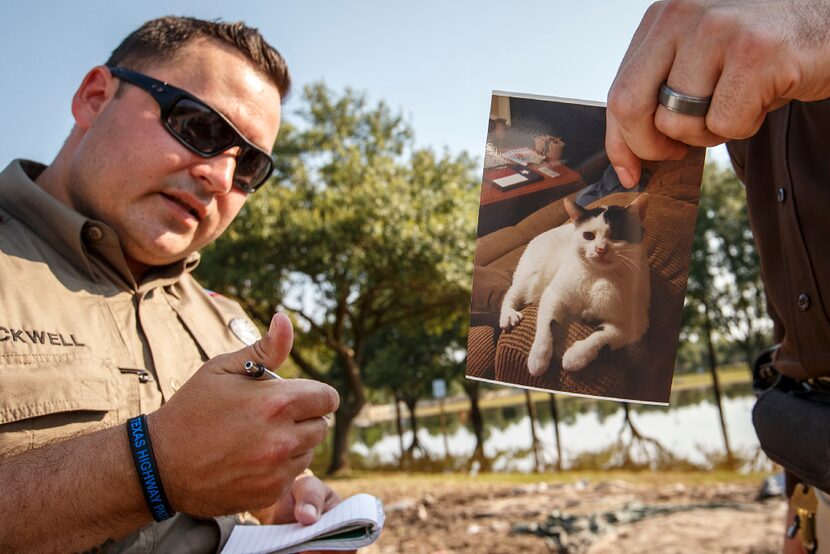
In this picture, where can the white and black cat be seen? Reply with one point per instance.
(594, 267)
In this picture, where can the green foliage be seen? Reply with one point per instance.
(724, 278)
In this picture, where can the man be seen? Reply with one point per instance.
(101, 320)
(765, 67)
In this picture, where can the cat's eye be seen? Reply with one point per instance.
(588, 235)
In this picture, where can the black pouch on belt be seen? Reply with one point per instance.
(793, 425)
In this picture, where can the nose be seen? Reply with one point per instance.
(215, 173)
(601, 251)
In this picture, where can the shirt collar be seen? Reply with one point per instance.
(83, 241)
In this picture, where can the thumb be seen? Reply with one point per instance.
(271, 350)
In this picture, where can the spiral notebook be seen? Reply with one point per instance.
(354, 523)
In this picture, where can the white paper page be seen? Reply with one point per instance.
(510, 180)
(250, 539)
(547, 171)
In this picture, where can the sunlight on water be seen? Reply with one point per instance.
(690, 432)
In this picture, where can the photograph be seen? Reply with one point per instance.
(578, 281)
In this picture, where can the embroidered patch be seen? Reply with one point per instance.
(244, 330)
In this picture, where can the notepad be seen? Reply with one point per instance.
(354, 523)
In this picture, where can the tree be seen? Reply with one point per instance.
(360, 231)
(405, 360)
(724, 298)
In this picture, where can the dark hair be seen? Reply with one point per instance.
(166, 38)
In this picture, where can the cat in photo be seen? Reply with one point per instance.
(594, 267)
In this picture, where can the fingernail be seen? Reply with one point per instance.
(274, 318)
(309, 509)
(625, 176)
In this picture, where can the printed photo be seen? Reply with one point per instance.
(578, 283)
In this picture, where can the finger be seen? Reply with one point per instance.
(300, 400)
(632, 100)
(332, 500)
(625, 162)
(740, 102)
(310, 495)
(271, 350)
(695, 72)
(307, 435)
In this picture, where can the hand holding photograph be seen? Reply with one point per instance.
(578, 283)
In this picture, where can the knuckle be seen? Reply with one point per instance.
(620, 103)
(656, 7)
(720, 126)
(278, 405)
(305, 459)
(732, 128)
(674, 126)
(752, 48)
(680, 9)
(311, 489)
(716, 21)
(283, 448)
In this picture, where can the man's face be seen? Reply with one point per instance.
(162, 200)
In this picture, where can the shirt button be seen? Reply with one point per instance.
(803, 301)
(782, 195)
(94, 233)
(174, 384)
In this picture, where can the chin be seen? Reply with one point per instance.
(159, 255)
(603, 264)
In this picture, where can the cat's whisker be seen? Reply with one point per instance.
(628, 262)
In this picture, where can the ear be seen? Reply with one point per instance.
(575, 211)
(92, 96)
(640, 204)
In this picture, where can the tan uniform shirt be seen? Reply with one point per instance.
(786, 169)
(83, 346)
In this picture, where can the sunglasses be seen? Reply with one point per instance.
(202, 129)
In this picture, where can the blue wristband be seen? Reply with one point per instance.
(147, 469)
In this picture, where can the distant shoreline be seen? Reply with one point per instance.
(503, 397)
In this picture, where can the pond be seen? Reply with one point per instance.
(688, 430)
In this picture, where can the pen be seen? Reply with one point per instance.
(255, 371)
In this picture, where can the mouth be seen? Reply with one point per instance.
(185, 206)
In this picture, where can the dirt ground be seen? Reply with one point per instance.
(596, 515)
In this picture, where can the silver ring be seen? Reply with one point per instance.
(683, 103)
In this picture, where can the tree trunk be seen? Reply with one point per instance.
(477, 419)
(554, 414)
(343, 418)
(411, 403)
(399, 423)
(531, 414)
(713, 365)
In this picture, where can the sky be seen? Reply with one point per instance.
(435, 62)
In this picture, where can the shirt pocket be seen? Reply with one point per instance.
(44, 397)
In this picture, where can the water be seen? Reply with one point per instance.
(689, 429)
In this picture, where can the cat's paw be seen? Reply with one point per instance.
(538, 360)
(577, 357)
(509, 318)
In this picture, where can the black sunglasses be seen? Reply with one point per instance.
(202, 129)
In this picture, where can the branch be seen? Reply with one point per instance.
(314, 326)
(309, 369)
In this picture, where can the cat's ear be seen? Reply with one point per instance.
(575, 211)
(640, 204)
